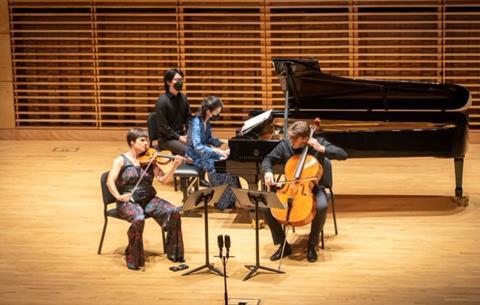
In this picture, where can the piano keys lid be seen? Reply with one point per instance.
(312, 90)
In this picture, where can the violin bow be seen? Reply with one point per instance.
(295, 180)
(141, 177)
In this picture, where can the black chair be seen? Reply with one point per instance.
(187, 174)
(152, 128)
(327, 184)
(107, 200)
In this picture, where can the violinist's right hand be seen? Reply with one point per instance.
(178, 161)
(183, 139)
(124, 197)
(269, 180)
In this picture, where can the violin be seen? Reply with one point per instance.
(147, 158)
(302, 173)
(163, 157)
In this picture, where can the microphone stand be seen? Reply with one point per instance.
(224, 259)
(224, 262)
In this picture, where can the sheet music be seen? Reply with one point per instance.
(255, 121)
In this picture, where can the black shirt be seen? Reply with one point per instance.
(173, 116)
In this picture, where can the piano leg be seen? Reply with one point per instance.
(461, 200)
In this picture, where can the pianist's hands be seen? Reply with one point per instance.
(223, 153)
(269, 180)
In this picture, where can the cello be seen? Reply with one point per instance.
(302, 173)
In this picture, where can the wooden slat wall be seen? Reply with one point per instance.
(462, 50)
(100, 64)
(135, 44)
(53, 64)
(399, 41)
(319, 29)
(223, 54)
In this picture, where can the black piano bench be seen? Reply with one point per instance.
(189, 179)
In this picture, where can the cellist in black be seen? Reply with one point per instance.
(298, 137)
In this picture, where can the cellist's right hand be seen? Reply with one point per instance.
(124, 197)
(269, 180)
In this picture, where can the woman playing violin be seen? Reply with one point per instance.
(298, 137)
(133, 203)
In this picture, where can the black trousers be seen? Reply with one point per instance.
(278, 235)
(174, 146)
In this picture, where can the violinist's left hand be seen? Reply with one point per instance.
(316, 145)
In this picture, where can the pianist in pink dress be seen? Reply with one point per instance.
(204, 149)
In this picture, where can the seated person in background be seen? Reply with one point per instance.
(173, 114)
(298, 137)
(204, 149)
(124, 175)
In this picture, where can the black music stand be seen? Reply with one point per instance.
(267, 199)
(205, 197)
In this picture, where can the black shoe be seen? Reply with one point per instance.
(176, 259)
(278, 254)
(312, 255)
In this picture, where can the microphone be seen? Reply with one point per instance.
(220, 245)
(227, 244)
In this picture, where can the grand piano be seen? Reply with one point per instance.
(367, 118)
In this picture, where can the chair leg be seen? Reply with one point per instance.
(193, 182)
(163, 240)
(103, 236)
(323, 240)
(197, 183)
(183, 188)
(333, 211)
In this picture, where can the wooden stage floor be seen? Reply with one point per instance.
(403, 240)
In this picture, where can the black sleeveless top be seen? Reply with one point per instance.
(128, 177)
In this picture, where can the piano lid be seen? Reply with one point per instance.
(312, 90)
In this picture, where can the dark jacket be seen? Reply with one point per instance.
(283, 151)
(173, 116)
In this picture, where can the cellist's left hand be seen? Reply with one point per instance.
(316, 145)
